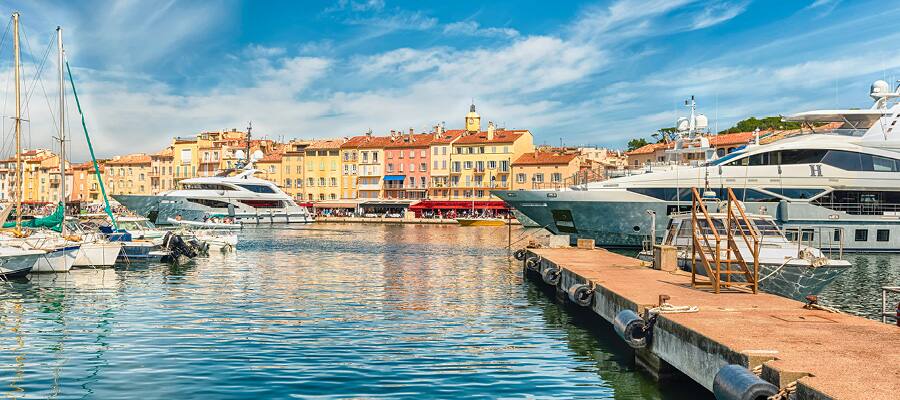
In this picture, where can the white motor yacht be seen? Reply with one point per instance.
(836, 181)
(241, 197)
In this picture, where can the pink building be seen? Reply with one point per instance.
(407, 166)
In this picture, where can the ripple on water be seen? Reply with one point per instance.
(335, 311)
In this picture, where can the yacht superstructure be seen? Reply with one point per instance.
(241, 197)
(835, 188)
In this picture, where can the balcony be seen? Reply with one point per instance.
(369, 186)
(478, 170)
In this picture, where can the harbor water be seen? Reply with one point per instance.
(334, 311)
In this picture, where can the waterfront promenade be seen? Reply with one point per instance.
(827, 355)
(387, 220)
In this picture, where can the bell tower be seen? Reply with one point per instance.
(473, 120)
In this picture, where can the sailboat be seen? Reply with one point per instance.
(15, 261)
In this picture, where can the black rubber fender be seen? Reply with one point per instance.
(631, 328)
(533, 263)
(520, 254)
(581, 294)
(551, 275)
(734, 382)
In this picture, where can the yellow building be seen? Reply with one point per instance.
(349, 166)
(129, 174)
(544, 169)
(162, 172)
(270, 169)
(480, 161)
(323, 170)
(441, 154)
(184, 158)
(293, 164)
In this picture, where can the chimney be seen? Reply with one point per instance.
(490, 131)
(410, 134)
(369, 132)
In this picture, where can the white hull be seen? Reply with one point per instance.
(98, 254)
(58, 260)
(18, 262)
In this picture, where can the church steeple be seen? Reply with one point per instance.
(473, 120)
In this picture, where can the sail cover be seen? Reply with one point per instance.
(52, 221)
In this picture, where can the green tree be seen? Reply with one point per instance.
(765, 123)
(636, 143)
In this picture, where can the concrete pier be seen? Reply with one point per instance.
(829, 355)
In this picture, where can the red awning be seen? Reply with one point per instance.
(458, 205)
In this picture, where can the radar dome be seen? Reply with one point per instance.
(682, 124)
(879, 88)
(258, 155)
(701, 122)
(239, 154)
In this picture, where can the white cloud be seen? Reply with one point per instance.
(472, 28)
(717, 13)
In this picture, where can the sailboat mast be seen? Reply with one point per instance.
(19, 191)
(62, 127)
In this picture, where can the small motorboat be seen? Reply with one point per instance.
(481, 221)
(786, 268)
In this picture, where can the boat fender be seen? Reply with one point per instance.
(551, 275)
(533, 263)
(520, 254)
(631, 328)
(581, 294)
(734, 382)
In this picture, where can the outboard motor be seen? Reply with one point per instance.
(179, 250)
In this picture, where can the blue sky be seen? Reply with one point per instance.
(597, 72)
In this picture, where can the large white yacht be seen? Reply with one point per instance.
(232, 194)
(834, 188)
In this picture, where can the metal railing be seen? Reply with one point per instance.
(828, 239)
(873, 208)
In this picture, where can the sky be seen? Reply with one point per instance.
(577, 73)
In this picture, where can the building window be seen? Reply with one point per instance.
(423, 153)
(556, 177)
(333, 182)
(862, 235)
(423, 167)
(479, 193)
(492, 165)
(467, 165)
(412, 153)
(539, 177)
(311, 182)
(287, 183)
(883, 235)
(456, 167)
(412, 167)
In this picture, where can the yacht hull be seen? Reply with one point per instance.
(19, 265)
(56, 260)
(98, 254)
(792, 280)
(620, 219)
(159, 209)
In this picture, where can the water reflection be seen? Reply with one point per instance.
(325, 310)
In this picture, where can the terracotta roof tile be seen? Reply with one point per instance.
(139, 158)
(500, 136)
(545, 158)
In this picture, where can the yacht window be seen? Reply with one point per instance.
(793, 193)
(260, 188)
(205, 186)
(684, 231)
(263, 203)
(845, 160)
(209, 203)
(884, 164)
(802, 156)
(767, 228)
(804, 235)
(882, 235)
(862, 235)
